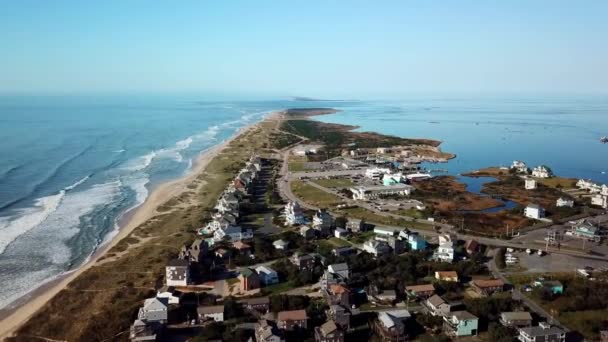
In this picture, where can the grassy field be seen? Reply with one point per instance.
(296, 164)
(277, 288)
(104, 300)
(558, 182)
(371, 217)
(339, 242)
(314, 196)
(335, 183)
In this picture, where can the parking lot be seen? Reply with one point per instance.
(555, 263)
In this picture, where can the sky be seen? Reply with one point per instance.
(326, 49)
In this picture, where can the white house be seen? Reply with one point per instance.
(340, 269)
(534, 211)
(293, 214)
(564, 202)
(383, 150)
(215, 313)
(169, 294)
(341, 233)
(530, 184)
(280, 244)
(445, 251)
(601, 200)
(376, 173)
(519, 166)
(234, 233)
(604, 190)
(154, 310)
(373, 192)
(376, 248)
(585, 184)
(542, 171)
(322, 221)
(177, 273)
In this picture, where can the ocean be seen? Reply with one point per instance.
(71, 167)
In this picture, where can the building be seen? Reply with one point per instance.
(445, 251)
(154, 311)
(195, 252)
(416, 242)
(420, 291)
(341, 233)
(554, 287)
(390, 325)
(344, 251)
(519, 166)
(329, 332)
(169, 293)
(366, 193)
(584, 229)
(322, 222)
(281, 245)
(564, 202)
(242, 248)
(446, 276)
(357, 226)
(396, 178)
(376, 248)
(534, 211)
(177, 273)
(268, 276)
(487, 287)
(259, 304)
(291, 320)
(587, 184)
(339, 314)
(376, 173)
(215, 313)
(144, 332)
(516, 319)
(307, 232)
(232, 233)
(600, 200)
(338, 294)
(266, 331)
(471, 247)
(542, 171)
(530, 184)
(303, 261)
(386, 296)
(460, 323)
(339, 269)
(544, 332)
(387, 231)
(437, 306)
(249, 279)
(293, 214)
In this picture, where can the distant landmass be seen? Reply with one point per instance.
(312, 99)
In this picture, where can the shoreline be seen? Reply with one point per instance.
(27, 305)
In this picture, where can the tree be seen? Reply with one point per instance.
(500, 333)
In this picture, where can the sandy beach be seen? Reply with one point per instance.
(33, 301)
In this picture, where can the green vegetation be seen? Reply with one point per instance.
(281, 140)
(500, 258)
(335, 182)
(372, 217)
(314, 196)
(338, 242)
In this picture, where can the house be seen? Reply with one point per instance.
(215, 313)
(222, 253)
(376, 248)
(487, 287)
(445, 251)
(437, 306)
(396, 178)
(460, 323)
(530, 184)
(293, 214)
(564, 202)
(542, 171)
(268, 276)
(232, 233)
(519, 166)
(280, 245)
(516, 319)
(446, 276)
(584, 229)
(291, 320)
(339, 269)
(259, 304)
(390, 325)
(534, 211)
(249, 279)
(386, 232)
(357, 226)
(603, 335)
(366, 193)
(329, 332)
(154, 310)
(195, 252)
(322, 222)
(544, 332)
(303, 261)
(420, 291)
(177, 273)
(471, 247)
(266, 331)
(169, 293)
(587, 184)
(307, 232)
(386, 296)
(242, 247)
(141, 331)
(416, 242)
(338, 294)
(341, 233)
(394, 242)
(343, 251)
(376, 173)
(554, 287)
(339, 314)
(600, 200)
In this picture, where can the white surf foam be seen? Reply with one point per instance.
(141, 163)
(73, 186)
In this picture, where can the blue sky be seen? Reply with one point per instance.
(311, 48)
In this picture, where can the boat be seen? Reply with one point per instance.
(604, 139)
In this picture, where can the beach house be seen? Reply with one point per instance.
(544, 332)
(177, 273)
(341, 270)
(460, 323)
(516, 319)
(376, 248)
(322, 222)
(376, 173)
(486, 287)
(420, 291)
(600, 200)
(293, 214)
(519, 166)
(564, 202)
(329, 332)
(534, 211)
(390, 325)
(266, 331)
(249, 279)
(214, 313)
(530, 184)
(542, 171)
(366, 193)
(294, 319)
(584, 229)
(268, 276)
(445, 250)
(450, 276)
(154, 310)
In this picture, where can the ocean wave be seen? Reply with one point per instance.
(119, 151)
(140, 163)
(73, 186)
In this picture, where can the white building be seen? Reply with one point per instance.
(383, 150)
(340, 269)
(215, 313)
(293, 214)
(445, 251)
(604, 190)
(530, 184)
(373, 192)
(542, 171)
(280, 244)
(177, 273)
(519, 166)
(322, 221)
(376, 173)
(234, 233)
(600, 200)
(376, 248)
(585, 184)
(168, 293)
(534, 211)
(564, 202)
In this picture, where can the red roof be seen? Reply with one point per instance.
(488, 283)
(294, 315)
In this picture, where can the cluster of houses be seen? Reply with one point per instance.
(541, 171)
(389, 240)
(599, 192)
(224, 223)
(531, 184)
